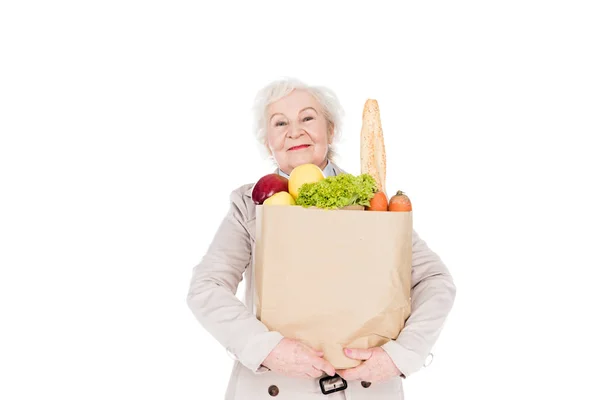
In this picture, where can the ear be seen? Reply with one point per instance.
(268, 148)
(330, 133)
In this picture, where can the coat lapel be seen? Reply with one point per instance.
(337, 169)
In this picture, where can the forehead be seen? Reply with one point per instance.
(293, 103)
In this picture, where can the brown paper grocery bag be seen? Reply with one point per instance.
(333, 278)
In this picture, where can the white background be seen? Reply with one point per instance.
(125, 125)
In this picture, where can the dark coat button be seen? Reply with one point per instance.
(365, 384)
(273, 390)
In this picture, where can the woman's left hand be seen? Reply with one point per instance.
(376, 368)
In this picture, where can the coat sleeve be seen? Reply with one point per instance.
(432, 298)
(211, 296)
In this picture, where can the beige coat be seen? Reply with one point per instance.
(213, 302)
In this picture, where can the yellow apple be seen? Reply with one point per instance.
(280, 199)
(305, 173)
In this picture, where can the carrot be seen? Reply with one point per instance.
(379, 202)
(400, 202)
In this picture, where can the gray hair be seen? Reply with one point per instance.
(278, 89)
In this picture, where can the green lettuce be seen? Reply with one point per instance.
(338, 191)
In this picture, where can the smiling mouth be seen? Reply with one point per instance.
(300, 147)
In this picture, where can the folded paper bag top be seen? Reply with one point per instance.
(333, 278)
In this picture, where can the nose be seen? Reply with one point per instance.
(296, 131)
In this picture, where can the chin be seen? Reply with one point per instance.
(299, 159)
(302, 159)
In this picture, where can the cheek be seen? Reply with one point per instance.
(274, 141)
(319, 135)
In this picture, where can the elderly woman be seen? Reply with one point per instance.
(297, 124)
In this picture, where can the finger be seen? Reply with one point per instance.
(358, 354)
(314, 372)
(318, 352)
(353, 374)
(324, 366)
(312, 350)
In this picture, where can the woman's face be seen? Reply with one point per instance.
(297, 131)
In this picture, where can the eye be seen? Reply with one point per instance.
(280, 123)
(306, 119)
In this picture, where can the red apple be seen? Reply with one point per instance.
(267, 186)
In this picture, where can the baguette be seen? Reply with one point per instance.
(372, 146)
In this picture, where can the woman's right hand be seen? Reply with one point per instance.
(297, 360)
